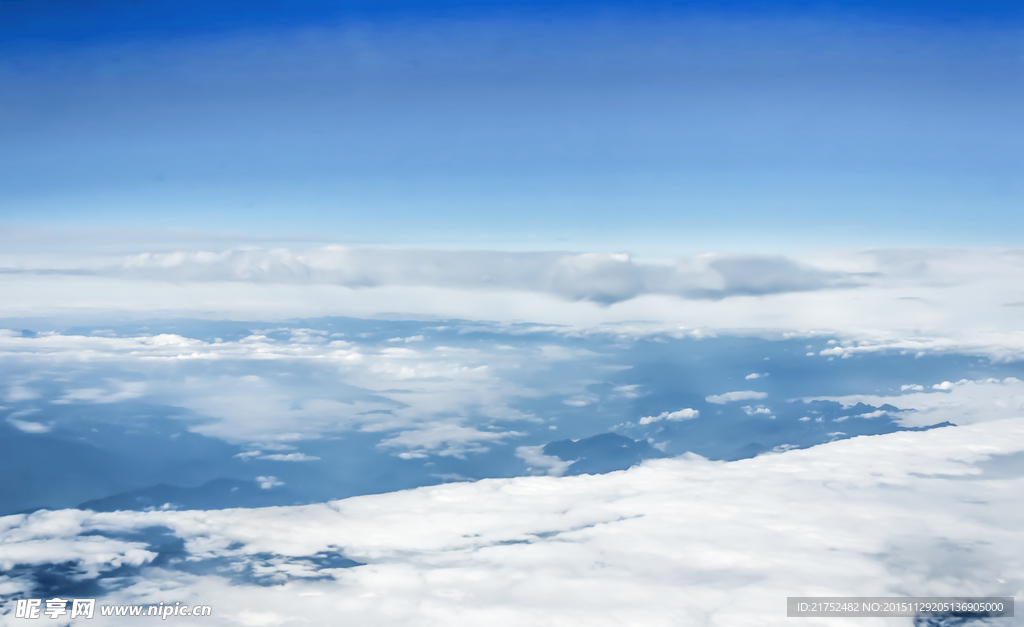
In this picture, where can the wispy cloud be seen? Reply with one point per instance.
(961, 402)
(444, 438)
(422, 398)
(278, 457)
(29, 427)
(741, 395)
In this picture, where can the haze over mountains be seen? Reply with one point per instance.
(197, 414)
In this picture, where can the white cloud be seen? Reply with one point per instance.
(628, 391)
(17, 393)
(537, 462)
(912, 387)
(290, 457)
(577, 402)
(384, 388)
(267, 483)
(914, 301)
(90, 552)
(728, 397)
(29, 427)
(125, 390)
(756, 411)
(556, 352)
(963, 402)
(594, 276)
(669, 542)
(445, 438)
(414, 338)
(755, 375)
(263, 619)
(681, 414)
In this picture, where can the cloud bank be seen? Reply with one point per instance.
(603, 278)
(673, 542)
(916, 301)
(960, 402)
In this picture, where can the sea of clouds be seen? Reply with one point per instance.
(678, 541)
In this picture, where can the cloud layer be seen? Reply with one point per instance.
(603, 278)
(270, 391)
(960, 402)
(673, 542)
(908, 300)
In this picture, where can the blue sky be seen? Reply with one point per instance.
(662, 127)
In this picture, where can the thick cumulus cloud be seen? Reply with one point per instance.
(673, 542)
(599, 277)
(603, 278)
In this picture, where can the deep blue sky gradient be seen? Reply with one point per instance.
(668, 127)
(74, 22)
